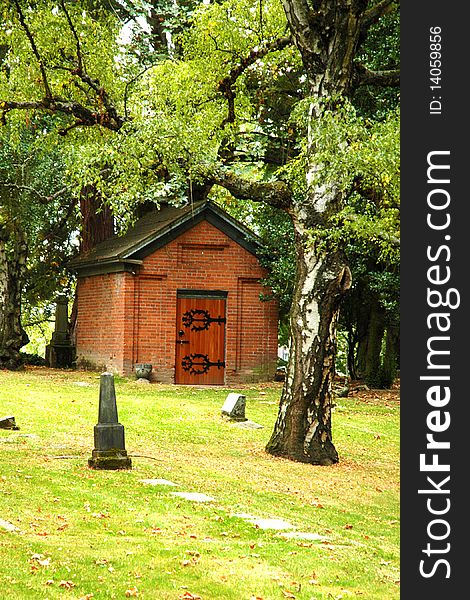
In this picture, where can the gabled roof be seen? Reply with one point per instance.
(156, 229)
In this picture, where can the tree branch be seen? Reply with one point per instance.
(130, 82)
(374, 13)
(26, 188)
(225, 86)
(364, 76)
(105, 114)
(74, 33)
(216, 45)
(86, 116)
(276, 193)
(34, 48)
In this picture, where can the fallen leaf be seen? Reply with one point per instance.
(132, 592)
(37, 557)
(101, 561)
(288, 594)
(50, 582)
(348, 526)
(193, 561)
(44, 563)
(68, 585)
(86, 597)
(189, 596)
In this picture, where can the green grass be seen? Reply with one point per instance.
(105, 534)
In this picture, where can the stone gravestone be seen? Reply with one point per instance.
(60, 352)
(109, 452)
(8, 423)
(234, 407)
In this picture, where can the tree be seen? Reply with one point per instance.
(180, 138)
(12, 334)
(328, 36)
(36, 224)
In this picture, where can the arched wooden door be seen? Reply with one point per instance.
(200, 337)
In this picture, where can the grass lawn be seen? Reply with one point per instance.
(83, 534)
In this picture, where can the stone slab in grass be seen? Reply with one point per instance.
(277, 524)
(194, 496)
(247, 425)
(260, 523)
(8, 526)
(245, 516)
(302, 535)
(158, 482)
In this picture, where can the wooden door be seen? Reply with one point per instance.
(200, 340)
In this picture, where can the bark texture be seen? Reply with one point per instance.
(97, 225)
(97, 219)
(303, 428)
(13, 253)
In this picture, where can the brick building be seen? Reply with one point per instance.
(181, 291)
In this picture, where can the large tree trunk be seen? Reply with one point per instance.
(12, 266)
(97, 225)
(97, 219)
(303, 428)
(327, 35)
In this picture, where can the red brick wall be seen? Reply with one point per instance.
(101, 320)
(124, 319)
